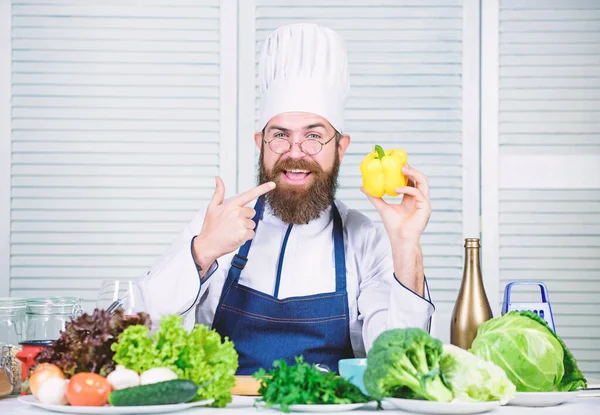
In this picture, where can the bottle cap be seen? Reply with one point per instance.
(472, 243)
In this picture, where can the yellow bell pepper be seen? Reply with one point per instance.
(382, 171)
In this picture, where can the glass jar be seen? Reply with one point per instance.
(47, 317)
(10, 370)
(13, 320)
(13, 323)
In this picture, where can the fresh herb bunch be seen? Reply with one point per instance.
(303, 383)
(85, 343)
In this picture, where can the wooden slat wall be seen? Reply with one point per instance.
(550, 106)
(115, 136)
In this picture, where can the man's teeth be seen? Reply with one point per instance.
(297, 171)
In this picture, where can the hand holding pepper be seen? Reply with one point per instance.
(388, 173)
(404, 222)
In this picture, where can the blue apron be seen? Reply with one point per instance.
(264, 328)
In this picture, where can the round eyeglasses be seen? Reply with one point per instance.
(309, 146)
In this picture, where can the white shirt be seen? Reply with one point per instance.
(376, 300)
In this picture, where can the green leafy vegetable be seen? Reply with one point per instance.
(404, 363)
(473, 379)
(85, 343)
(303, 383)
(199, 356)
(534, 358)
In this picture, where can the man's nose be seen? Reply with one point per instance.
(295, 151)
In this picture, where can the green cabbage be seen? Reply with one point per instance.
(473, 379)
(534, 358)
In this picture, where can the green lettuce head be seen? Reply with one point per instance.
(534, 358)
(473, 379)
(199, 355)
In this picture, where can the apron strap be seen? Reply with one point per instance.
(239, 260)
(338, 247)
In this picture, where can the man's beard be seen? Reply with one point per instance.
(297, 204)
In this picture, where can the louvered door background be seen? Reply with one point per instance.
(405, 62)
(116, 140)
(122, 113)
(549, 162)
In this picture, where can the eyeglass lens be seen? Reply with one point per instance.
(280, 146)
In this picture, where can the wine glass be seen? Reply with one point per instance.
(115, 293)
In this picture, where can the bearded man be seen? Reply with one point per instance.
(285, 269)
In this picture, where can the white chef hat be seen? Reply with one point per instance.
(304, 68)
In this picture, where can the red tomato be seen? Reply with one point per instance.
(88, 389)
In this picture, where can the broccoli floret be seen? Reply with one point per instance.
(404, 363)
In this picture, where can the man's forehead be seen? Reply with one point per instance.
(297, 121)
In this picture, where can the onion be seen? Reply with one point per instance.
(52, 391)
(42, 372)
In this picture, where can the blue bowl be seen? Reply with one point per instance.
(353, 371)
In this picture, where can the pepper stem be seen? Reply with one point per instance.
(380, 152)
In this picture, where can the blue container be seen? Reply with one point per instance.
(353, 371)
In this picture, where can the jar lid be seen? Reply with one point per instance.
(12, 305)
(56, 300)
(53, 305)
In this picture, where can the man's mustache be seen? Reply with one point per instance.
(291, 164)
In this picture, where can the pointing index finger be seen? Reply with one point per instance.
(250, 195)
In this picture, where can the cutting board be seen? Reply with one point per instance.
(245, 386)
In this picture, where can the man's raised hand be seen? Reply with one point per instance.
(227, 225)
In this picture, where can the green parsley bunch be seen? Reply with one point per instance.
(302, 383)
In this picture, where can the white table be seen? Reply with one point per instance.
(582, 405)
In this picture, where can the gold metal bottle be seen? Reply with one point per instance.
(472, 307)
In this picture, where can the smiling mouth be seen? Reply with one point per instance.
(296, 176)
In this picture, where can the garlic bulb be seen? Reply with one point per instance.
(157, 374)
(122, 378)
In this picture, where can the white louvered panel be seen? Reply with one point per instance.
(405, 62)
(550, 73)
(554, 236)
(549, 116)
(116, 136)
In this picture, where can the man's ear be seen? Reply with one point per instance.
(343, 145)
(258, 139)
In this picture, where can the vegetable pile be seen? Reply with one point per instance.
(532, 355)
(104, 358)
(517, 352)
(199, 356)
(85, 343)
(303, 383)
(122, 387)
(411, 364)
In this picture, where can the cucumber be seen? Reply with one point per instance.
(162, 393)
